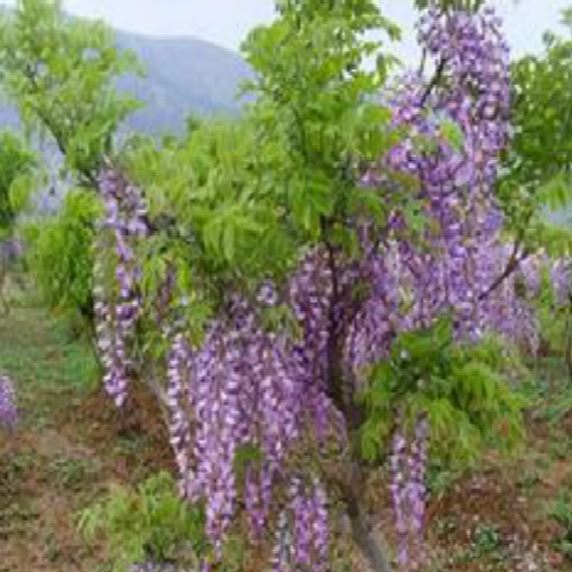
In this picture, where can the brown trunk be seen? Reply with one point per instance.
(351, 483)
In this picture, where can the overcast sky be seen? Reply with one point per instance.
(226, 22)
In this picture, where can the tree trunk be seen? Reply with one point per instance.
(372, 546)
(351, 483)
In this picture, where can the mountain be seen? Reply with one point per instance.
(183, 76)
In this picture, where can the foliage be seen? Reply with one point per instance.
(149, 523)
(61, 253)
(211, 212)
(561, 512)
(460, 387)
(17, 166)
(552, 316)
(60, 72)
(536, 168)
(317, 121)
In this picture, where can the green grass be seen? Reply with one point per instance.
(44, 361)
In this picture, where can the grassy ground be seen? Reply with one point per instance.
(514, 514)
(503, 515)
(70, 446)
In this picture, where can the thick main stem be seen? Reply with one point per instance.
(352, 487)
(371, 544)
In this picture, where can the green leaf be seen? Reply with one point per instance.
(452, 133)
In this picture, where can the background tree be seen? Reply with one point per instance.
(17, 170)
(536, 166)
(60, 72)
(535, 189)
(17, 164)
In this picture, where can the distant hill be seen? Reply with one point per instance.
(184, 75)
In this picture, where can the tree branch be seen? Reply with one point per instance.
(88, 177)
(433, 83)
(512, 265)
(337, 327)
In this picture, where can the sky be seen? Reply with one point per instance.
(226, 22)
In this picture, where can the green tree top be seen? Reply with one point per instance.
(537, 169)
(60, 73)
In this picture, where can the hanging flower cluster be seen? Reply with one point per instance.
(303, 530)
(408, 466)
(117, 314)
(8, 409)
(561, 280)
(241, 389)
(457, 260)
(510, 309)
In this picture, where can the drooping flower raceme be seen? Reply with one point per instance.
(117, 309)
(408, 464)
(8, 409)
(302, 534)
(561, 280)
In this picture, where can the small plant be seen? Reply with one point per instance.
(561, 512)
(440, 478)
(61, 256)
(529, 478)
(486, 539)
(71, 473)
(149, 524)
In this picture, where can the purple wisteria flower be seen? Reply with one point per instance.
(8, 409)
(117, 309)
(302, 535)
(408, 464)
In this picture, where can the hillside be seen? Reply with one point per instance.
(184, 75)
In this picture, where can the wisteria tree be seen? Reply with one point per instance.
(318, 289)
(323, 278)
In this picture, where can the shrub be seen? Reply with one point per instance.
(150, 523)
